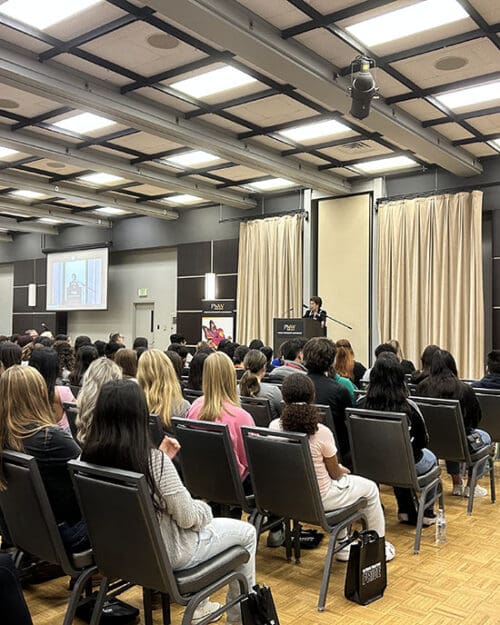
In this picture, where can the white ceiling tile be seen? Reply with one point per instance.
(29, 105)
(480, 149)
(488, 9)
(453, 132)
(144, 142)
(69, 60)
(274, 110)
(488, 125)
(329, 47)
(420, 109)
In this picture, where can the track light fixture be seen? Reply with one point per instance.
(363, 88)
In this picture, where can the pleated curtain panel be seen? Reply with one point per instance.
(269, 275)
(430, 277)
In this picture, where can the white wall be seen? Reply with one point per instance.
(155, 270)
(7, 291)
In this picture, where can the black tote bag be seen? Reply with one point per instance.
(258, 608)
(366, 577)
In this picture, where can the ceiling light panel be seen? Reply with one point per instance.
(214, 81)
(49, 220)
(471, 95)
(184, 198)
(28, 195)
(84, 123)
(101, 178)
(42, 14)
(110, 210)
(271, 184)
(407, 21)
(386, 164)
(191, 159)
(6, 152)
(306, 132)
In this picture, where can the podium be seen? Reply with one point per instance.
(295, 328)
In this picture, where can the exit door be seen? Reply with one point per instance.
(144, 321)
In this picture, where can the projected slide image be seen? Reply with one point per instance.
(77, 281)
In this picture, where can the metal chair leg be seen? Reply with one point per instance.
(472, 486)
(165, 609)
(76, 593)
(492, 479)
(325, 581)
(99, 602)
(147, 601)
(420, 523)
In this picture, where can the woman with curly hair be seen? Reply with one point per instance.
(66, 355)
(338, 488)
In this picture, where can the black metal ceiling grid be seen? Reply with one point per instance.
(484, 30)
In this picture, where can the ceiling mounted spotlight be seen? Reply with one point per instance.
(363, 88)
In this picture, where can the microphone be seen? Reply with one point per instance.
(304, 306)
(287, 311)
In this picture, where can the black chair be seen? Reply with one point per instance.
(284, 483)
(259, 408)
(448, 440)
(156, 430)
(381, 451)
(75, 390)
(489, 400)
(71, 411)
(127, 543)
(359, 392)
(191, 395)
(33, 528)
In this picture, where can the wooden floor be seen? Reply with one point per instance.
(450, 584)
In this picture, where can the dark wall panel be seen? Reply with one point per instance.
(41, 271)
(226, 287)
(226, 256)
(190, 292)
(194, 259)
(24, 272)
(25, 321)
(189, 325)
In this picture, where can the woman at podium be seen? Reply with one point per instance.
(315, 311)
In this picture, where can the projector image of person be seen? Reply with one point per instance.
(74, 291)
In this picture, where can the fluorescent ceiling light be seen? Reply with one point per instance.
(495, 143)
(189, 159)
(409, 20)
(42, 14)
(471, 95)
(6, 152)
(184, 198)
(110, 210)
(49, 220)
(314, 130)
(84, 122)
(101, 178)
(272, 184)
(214, 81)
(385, 164)
(29, 195)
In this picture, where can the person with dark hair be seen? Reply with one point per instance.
(119, 437)
(492, 377)
(443, 383)
(408, 366)
(46, 361)
(221, 347)
(12, 603)
(426, 359)
(126, 359)
(178, 338)
(251, 384)
(81, 340)
(10, 354)
(85, 355)
(177, 362)
(239, 356)
(63, 337)
(315, 311)
(387, 392)
(140, 341)
(3, 338)
(111, 348)
(181, 350)
(256, 344)
(267, 350)
(292, 353)
(117, 337)
(66, 356)
(195, 378)
(319, 356)
(44, 341)
(101, 347)
(380, 349)
(338, 488)
(140, 351)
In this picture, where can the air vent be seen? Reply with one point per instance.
(356, 146)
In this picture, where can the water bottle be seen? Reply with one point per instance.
(440, 528)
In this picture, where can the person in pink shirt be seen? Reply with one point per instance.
(221, 402)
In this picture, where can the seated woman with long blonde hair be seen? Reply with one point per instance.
(157, 377)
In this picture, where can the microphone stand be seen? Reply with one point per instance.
(339, 322)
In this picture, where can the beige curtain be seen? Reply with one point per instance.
(269, 275)
(430, 277)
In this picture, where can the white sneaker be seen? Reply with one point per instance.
(458, 490)
(390, 551)
(479, 491)
(343, 554)
(206, 608)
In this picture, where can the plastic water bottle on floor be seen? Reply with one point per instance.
(440, 528)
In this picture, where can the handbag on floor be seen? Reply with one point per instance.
(366, 577)
(258, 608)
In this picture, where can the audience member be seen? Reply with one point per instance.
(178, 338)
(117, 337)
(63, 337)
(140, 351)
(387, 392)
(492, 378)
(195, 378)
(27, 425)
(292, 352)
(345, 382)
(157, 377)
(267, 350)
(111, 348)
(66, 357)
(85, 355)
(256, 344)
(177, 363)
(380, 349)
(10, 354)
(203, 346)
(408, 366)
(443, 382)
(99, 372)
(126, 359)
(80, 341)
(344, 362)
(12, 602)
(181, 350)
(101, 347)
(239, 356)
(119, 437)
(338, 488)
(251, 384)
(359, 369)
(426, 359)
(140, 341)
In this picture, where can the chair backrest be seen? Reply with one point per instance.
(259, 408)
(191, 395)
(489, 400)
(380, 447)
(445, 426)
(122, 525)
(28, 513)
(156, 431)
(75, 390)
(282, 473)
(209, 468)
(412, 388)
(71, 411)
(359, 392)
